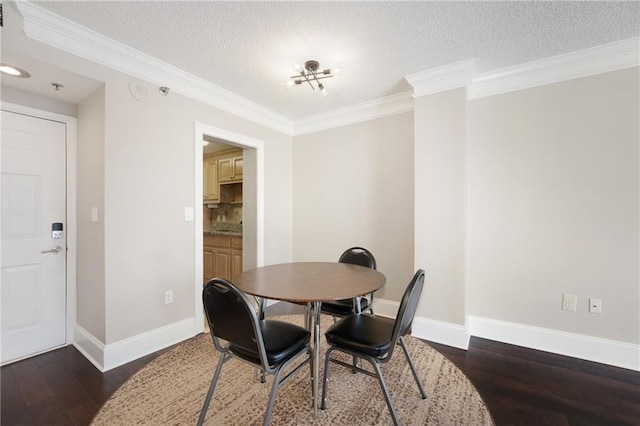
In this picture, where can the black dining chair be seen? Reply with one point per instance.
(374, 339)
(269, 345)
(340, 308)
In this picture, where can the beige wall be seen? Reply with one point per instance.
(519, 197)
(90, 270)
(149, 172)
(440, 203)
(9, 94)
(353, 186)
(554, 196)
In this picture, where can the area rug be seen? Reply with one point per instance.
(171, 389)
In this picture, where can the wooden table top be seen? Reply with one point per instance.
(310, 281)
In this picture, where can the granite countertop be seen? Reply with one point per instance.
(224, 228)
(218, 232)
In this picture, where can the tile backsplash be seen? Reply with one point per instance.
(232, 213)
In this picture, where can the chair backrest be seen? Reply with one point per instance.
(231, 316)
(407, 309)
(358, 256)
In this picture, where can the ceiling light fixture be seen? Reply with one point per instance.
(311, 73)
(13, 71)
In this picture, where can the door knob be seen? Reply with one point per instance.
(56, 249)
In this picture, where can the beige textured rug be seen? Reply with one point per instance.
(171, 389)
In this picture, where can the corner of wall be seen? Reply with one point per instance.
(424, 328)
(90, 347)
(107, 357)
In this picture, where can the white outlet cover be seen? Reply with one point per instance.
(595, 306)
(569, 302)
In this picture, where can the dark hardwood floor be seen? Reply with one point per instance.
(520, 386)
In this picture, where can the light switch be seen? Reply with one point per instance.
(188, 214)
(94, 214)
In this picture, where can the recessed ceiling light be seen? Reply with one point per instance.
(13, 71)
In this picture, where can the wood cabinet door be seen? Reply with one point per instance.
(230, 169)
(207, 262)
(237, 168)
(222, 264)
(211, 186)
(236, 263)
(225, 169)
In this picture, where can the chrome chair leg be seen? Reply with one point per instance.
(325, 382)
(263, 378)
(272, 398)
(307, 317)
(212, 387)
(413, 368)
(385, 391)
(313, 388)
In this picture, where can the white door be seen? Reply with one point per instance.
(33, 262)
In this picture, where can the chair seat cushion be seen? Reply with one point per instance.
(282, 340)
(343, 307)
(362, 333)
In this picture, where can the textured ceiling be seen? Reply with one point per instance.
(249, 47)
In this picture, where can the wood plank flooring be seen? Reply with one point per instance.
(520, 386)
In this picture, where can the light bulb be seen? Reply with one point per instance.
(322, 89)
(13, 71)
(290, 83)
(336, 70)
(9, 70)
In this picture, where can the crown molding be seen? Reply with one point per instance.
(59, 32)
(54, 30)
(370, 110)
(440, 79)
(580, 63)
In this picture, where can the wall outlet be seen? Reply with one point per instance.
(595, 305)
(168, 297)
(569, 302)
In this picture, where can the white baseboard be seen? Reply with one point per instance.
(127, 350)
(605, 351)
(449, 334)
(106, 357)
(90, 347)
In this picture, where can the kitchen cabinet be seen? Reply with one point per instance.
(236, 256)
(230, 169)
(231, 193)
(210, 184)
(207, 262)
(222, 256)
(222, 177)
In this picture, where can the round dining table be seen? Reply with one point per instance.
(311, 283)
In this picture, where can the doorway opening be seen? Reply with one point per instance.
(250, 193)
